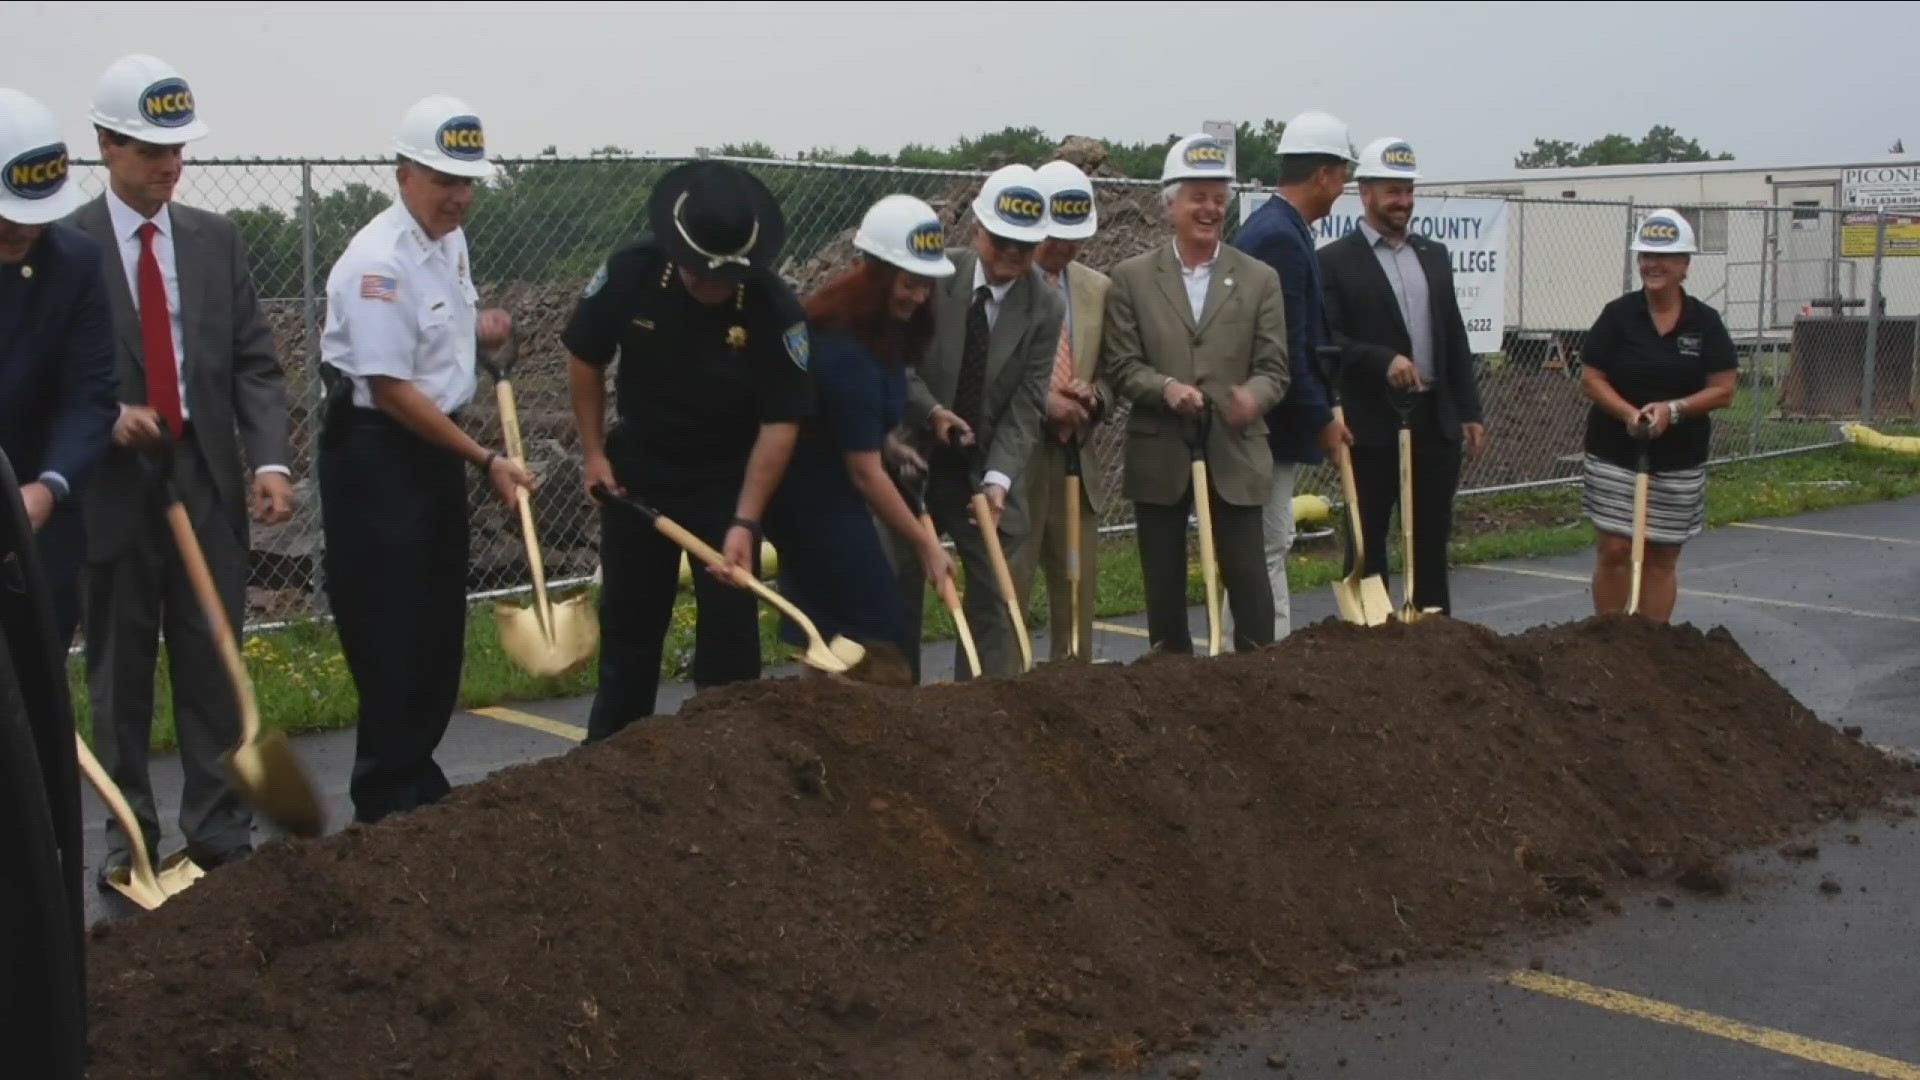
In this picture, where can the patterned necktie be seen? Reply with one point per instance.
(156, 336)
(969, 396)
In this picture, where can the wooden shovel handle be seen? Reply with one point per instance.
(950, 596)
(1351, 491)
(216, 616)
(510, 429)
(1209, 569)
(1073, 560)
(989, 532)
(704, 551)
(1640, 482)
(1406, 504)
(142, 868)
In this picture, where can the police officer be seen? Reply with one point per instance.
(401, 339)
(57, 388)
(710, 393)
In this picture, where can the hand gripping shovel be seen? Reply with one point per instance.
(836, 659)
(990, 533)
(547, 639)
(1640, 430)
(917, 502)
(262, 768)
(1403, 404)
(1203, 509)
(1361, 600)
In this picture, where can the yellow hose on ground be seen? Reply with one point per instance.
(1862, 435)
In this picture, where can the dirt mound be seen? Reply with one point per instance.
(1073, 870)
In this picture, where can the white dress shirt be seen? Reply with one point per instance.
(126, 232)
(402, 305)
(1197, 279)
(996, 296)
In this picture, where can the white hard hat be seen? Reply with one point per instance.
(35, 187)
(1387, 158)
(144, 97)
(1012, 204)
(1071, 213)
(1665, 232)
(1315, 132)
(443, 134)
(1196, 157)
(905, 232)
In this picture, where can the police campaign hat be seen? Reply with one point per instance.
(717, 219)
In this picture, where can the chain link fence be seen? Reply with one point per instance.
(1791, 283)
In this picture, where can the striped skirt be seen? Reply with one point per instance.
(1676, 501)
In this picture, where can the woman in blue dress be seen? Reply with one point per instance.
(867, 326)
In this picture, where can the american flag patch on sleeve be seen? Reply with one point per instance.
(378, 287)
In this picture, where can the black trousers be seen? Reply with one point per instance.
(639, 581)
(1436, 475)
(1240, 547)
(394, 508)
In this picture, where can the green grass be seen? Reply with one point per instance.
(302, 685)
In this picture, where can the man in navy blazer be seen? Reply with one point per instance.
(57, 387)
(1315, 158)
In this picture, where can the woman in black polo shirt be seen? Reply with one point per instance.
(1656, 362)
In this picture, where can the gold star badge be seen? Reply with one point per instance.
(737, 336)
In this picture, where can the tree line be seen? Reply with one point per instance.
(552, 220)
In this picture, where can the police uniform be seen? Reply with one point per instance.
(693, 387)
(394, 506)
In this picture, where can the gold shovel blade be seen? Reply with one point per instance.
(146, 894)
(1363, 601)
(268, 776)
(575, 639)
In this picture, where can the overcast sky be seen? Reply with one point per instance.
(1469, 85)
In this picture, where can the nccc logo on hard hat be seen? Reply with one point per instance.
(1072, 207)
(167, 103)
(460, 137)
(37, 173)
(1397, 156)
(1206, 154)
(1660, 231)
(1020, 206)
(928, 241)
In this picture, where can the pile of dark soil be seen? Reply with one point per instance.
(1074, 870)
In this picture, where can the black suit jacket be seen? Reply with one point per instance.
(1364, 317)
(236, 391)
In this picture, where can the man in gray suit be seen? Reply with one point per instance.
(983, 385)
(195, 360)
(1196, 339)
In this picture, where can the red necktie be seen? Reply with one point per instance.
(156, 337)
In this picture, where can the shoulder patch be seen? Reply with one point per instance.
(796, 341)
(378, 287)
(598, 282)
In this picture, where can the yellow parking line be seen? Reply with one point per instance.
(1780, 1042)
(1820, 532)
(529, 720)
(1116, 628)
(1553, 575)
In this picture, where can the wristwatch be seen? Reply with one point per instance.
(1674, 412)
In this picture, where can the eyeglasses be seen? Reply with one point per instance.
(1004, 244)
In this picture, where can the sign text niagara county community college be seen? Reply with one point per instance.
(1475, 234)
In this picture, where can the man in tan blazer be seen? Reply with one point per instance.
(1196, 338)
(1076, 401)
